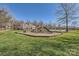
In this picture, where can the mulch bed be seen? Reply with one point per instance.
(40, 34)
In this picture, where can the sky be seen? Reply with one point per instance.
(45, 12)
(33, 11)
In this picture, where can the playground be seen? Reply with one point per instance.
(38, 30)
(33, 31)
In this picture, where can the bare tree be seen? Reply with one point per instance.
(41, 23)
(35, 22)
(17, 24)
(28, 21)
(74, 24)
(50, 25)
(67, 12)
(5, 17)
(59, 26)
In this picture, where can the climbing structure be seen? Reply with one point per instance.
(41, 29)
(35, 28)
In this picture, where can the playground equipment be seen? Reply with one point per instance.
(38, 31)
(35, 28)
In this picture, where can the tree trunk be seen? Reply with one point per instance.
(67, 22)
(67, 25)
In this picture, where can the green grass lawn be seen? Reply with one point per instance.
(16, 44)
